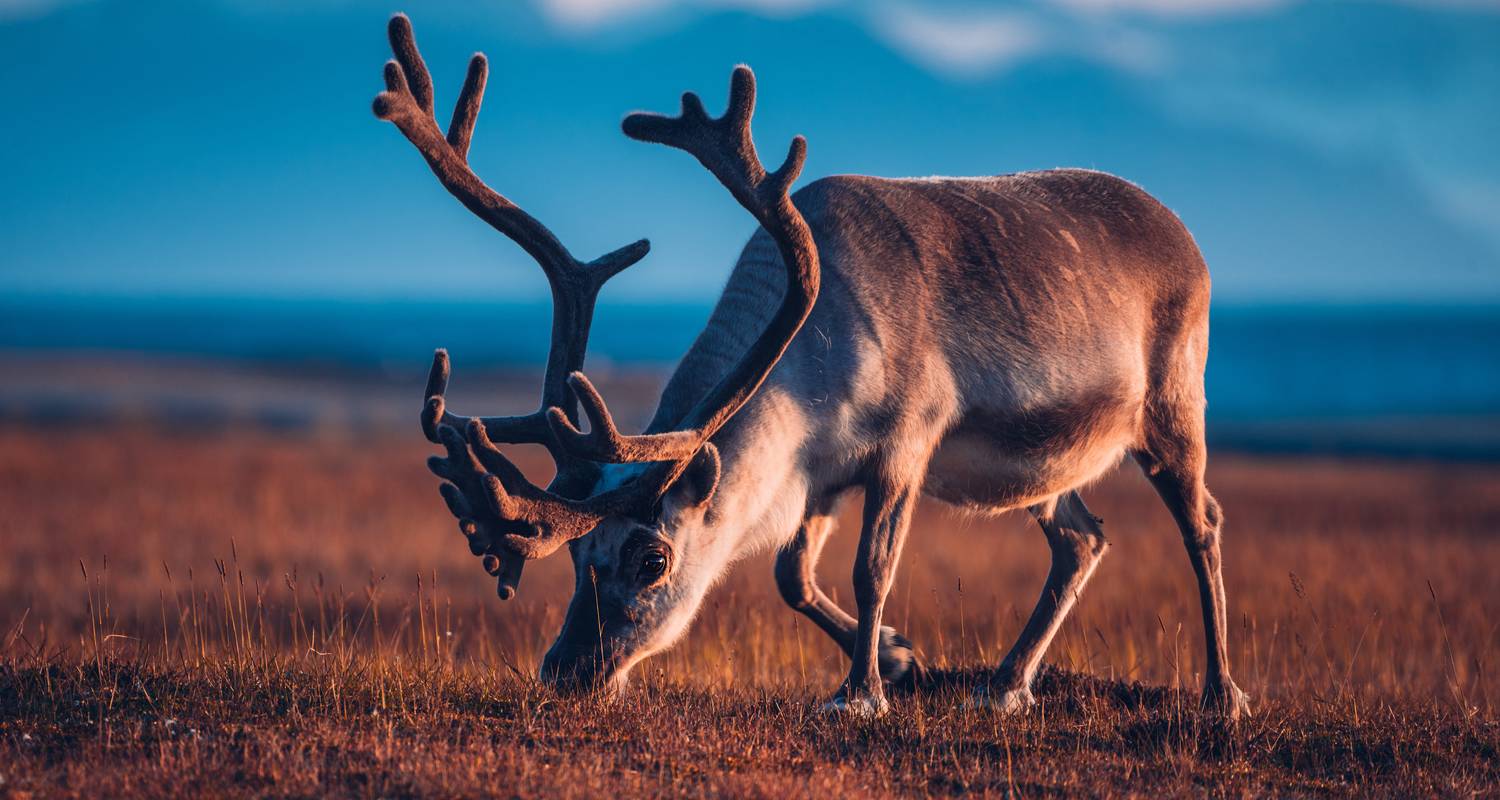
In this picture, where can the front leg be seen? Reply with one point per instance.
(796, 577)
(888, 509)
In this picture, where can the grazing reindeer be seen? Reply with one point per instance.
(995, 343)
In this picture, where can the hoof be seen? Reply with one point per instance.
(898, 661)
(861, 707)
(1010, 702)
(1225, 701)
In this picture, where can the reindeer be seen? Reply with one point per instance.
(995, 343)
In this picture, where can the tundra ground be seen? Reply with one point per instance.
(247, 613)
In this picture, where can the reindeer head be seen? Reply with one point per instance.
(628, 506)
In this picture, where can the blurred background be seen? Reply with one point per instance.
(199, 206)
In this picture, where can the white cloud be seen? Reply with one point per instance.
(1470, 201)
(998, 29)
(964, 40)
(588, 15)
(963, 43)
(1212, 8)
(1171, 8)
(973, 42)
(23, 9)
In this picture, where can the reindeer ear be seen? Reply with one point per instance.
(695, 487)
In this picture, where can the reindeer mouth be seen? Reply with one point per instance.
(573, 671)
(589, 652)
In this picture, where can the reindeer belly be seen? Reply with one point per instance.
(997, 459)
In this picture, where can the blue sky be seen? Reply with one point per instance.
(1319, 151)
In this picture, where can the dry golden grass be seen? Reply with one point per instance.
(246, 614)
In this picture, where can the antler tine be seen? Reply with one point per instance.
(549, 521)
(726, 148)
(482, 530)
(604, 441)
(724, 145)
(518, 520)
(496, 506)
(404, 46)
(523, 429)
(466, 110)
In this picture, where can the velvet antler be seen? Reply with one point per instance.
(408, 103)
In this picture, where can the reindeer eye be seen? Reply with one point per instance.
(653, 564)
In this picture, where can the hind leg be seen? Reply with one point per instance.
(1077, 545)
(1175, 468)
(797, 579)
